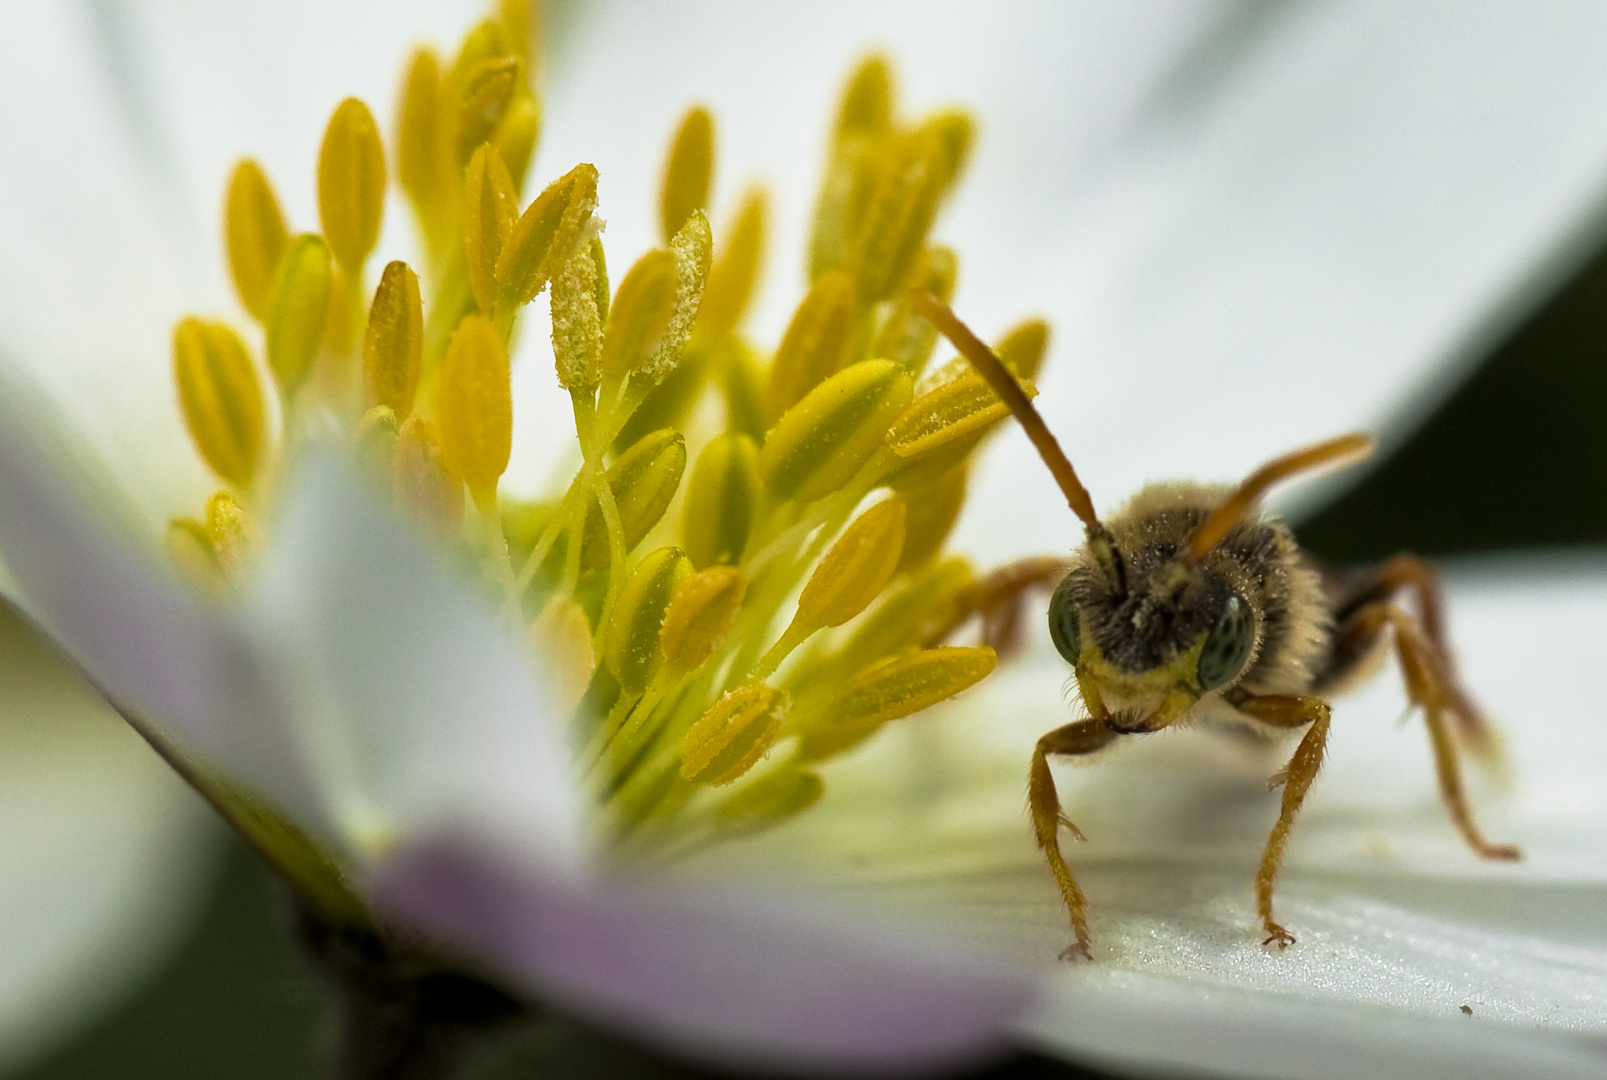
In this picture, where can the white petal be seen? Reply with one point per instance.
(1399, 925)
(742, 979)
(1305, 233)
(170, 662)
(419, 711)
(102, 850)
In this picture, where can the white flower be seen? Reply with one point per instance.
(1228, 282)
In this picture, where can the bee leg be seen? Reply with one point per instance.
(1296, 777)
(1407, 572)
(1429, 685)
(1082, 737)
(997, 598)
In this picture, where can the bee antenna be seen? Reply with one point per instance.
(991, 368)
(1344, 450)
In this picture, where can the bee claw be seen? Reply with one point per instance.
(1277, 935)
(1077, 951)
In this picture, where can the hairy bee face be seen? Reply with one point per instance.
(1162, 628)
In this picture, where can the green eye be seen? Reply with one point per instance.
(1063, 622)
(1228, 646)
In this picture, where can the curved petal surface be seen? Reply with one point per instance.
(102, 850)
(1399, 925)
(739, 979)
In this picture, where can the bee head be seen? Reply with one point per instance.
(1161, 626)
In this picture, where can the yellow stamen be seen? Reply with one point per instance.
(822, 441)
(393, 346)
(721, 499)
(490, 205)
(221, 397)
(476, 404)
(255, 234)
(733, 735)
(545, 236)
(700, 613)
(351, 185)
(687, 172)
(299, 311)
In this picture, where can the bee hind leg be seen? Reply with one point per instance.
(1287, 711)
(1431, 686)
(1082, 737)
(1404, 573)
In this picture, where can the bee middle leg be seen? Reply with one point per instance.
(1429, 685)
(1081, 737)
(1287, 711)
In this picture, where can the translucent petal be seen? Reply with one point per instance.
(102, 848)
(419, 711)
(740, 978)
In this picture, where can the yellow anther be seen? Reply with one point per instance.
(687, 172)
(821, 442)
(867, 105)
(693, 250)
(856, 569)
(476, 407)
(221, 398)
(891, 691)
(735, 272)
(421, 142)
(254, 231)
(700, 613)
(490, 205)
(394, 341)
(771, 799)
(298, 311)
(863, 140)
(900, 213)
(731, 737)
(351, 185)
(577, 318)
(233, 534)
(427, 492)
(486, 40)
(954, 132)
(561, 638)
(907, 336)
(961, 407)
(631, 639)
(721, 499)
(487, 92)
(1023, 348)
(934, 509)
(644, 480)
(519, 27)
(516, 137)
(374, 442)
(909, 617)
(816, 341)
(189, 548)
(546, 236)
(640, 313)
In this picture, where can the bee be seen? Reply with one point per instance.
(1190, 606)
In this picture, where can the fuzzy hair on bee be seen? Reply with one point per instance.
(1189, 606)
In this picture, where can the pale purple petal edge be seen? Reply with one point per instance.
(738, 979)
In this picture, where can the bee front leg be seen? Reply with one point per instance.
(1082, 737)
(1429, 684)
(1296, 777)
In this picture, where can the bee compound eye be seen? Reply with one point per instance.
(1228, 646)
(1063, 624)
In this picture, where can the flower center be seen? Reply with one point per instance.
(715, 632)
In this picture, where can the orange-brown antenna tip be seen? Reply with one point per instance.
(1344, 450)
(991, 368)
